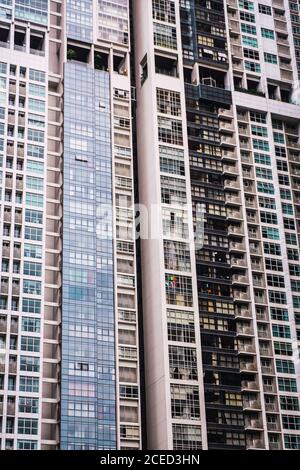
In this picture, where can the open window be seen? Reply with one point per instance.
(37, 43)
(166, 65)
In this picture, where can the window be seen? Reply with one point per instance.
(170, 131)
(32, 233)
(37, 75)
(282, 165)
(280, 314)
(186, 437)
(274, 264)
(267, 33)
(244, 16)
(270, 58)
(172, 161)
(261, 145)
(266, 188)
(284, 180)
(292, 441)
(281, 331)
(283, 349)
(264, 9)
(35, 151)
(291, 422)
(252, 66)
(33, 199)
(29, 384)
(246, 5)
(32, 269)
(168, 102)
(34, 183)
(26, 445)
(35, 167)
(32, 287)
(183, 363)
(249, 41)
(29, 343)
(28, 405)
(280, 152)
(262, 159)
(33, 217)
(31, 325)
(289, 224)
(275, 281)
(293, 254)
(29, 364)
(291, 238)
(272, 249)
(271, 233)
(32, 251)
(27, 426)
(287, 385)
(264, 173)
(258, 117)
(31, 306)
(259, 131)
(268, 218)
(277, 297)
(179, 290)
(285, 367)
(248, 28)
(285, 194)
(36, 90)
(181, 326)
(185, 402)
(173, 191)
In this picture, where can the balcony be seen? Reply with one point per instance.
(227, 141)
(225, 113)
(250, 385)
(264, 334)
(243, 313)
(248, 366)
(235, 230)
(12, 368)
(230, 169)
(273, 426)
(4, 287)
(246, 348)
(11, 409)
(244, 331)
(251, 404)
(235, 246)
(231, 184)
(234, 214)
(275, 445)
(255, 444)
(265, 352)
(241, 296)
(240, 262)
(234, 200)
(271, 407)
(253, 424)
(216, 95)
(269, 388)
(239, 279)
(268, 370)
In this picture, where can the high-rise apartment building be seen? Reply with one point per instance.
(69, 358)
(218, 128)
(198, 102)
